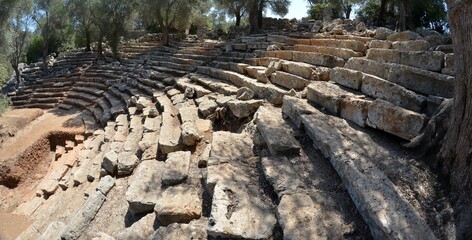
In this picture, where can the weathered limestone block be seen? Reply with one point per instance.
(145, 186)
(53, 231)
(255, 71)
(207, 107)
(355, 110)
(422, 81)
(346, 77)
(379, 88)
(395, 120)
(275, 131)
(449, 61)
(318, 59)
(170, 133)
(388, 214)
(382, 33)
(380, 44)
(403, 36)
(196, 229)
(431, 60)
(355, 45)
(110, 162)
(280, 173)
(142, 229)
(299, 219)
(152, 124)
(273, 67)
(176, 168)
(238, 67)
(243, 109)
(178, 204)
(231, 145)
(188, 117)
(289, 80)
(384, 55)
(415, 45)
(86, 213)
(251, 219)
(244, 93)
(343, 53)
(326, 95)
(127, 161)
(368, 66)
(297, 68)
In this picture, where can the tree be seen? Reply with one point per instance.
(168, 14)
(5, 12)
(234, 8)
(450, 129)
(18, 28)
(256, 10)
(81, 13)
(457, 151)
(51, 18)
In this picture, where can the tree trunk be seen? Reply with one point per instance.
(17, 75)
(238, 19)
(406, 21)
(347, 12)
(260, 12)
(45, 55)
(87, 40)
(100, 47)
(381, 17)
(254, 17)
(457, 150)
(456, 153)
(165, 36)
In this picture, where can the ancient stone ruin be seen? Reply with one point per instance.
(272, 136)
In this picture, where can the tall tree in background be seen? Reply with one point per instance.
(5, 12)
(168, 14)
(81, 13)
(18, 33)
(256, 10)
(234, 8)
(112, 18)
(51, 18)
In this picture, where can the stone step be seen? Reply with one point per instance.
(170, 133)
(81, 104)
(344, 53)
(88, 90)
(230, 184)
(214, 84)
(379, 88)
(377, 114)
(47, 94)
(184, 83)
(426, 60)
(418, 80)
(46, 100)
(170, 71)
(267, 91)
(81, 95)
(313, 58)
(177, 60)
(277, 134)
(387, 213)
(355, 45)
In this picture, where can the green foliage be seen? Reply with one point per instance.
(35, 49)
(429, 13)
(316, 11)
(4, 103)
(5, 71)
(369, 12)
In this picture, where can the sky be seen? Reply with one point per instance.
(297, 10)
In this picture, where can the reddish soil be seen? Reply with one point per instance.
(26, 151)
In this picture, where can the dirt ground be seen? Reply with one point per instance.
(26, 151)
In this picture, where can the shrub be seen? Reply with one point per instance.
(4, 103)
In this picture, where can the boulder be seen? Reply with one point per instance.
(127, 161)
(403, 36)
(110, 162)
(382, 33)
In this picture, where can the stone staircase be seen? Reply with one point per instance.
(232, 140)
